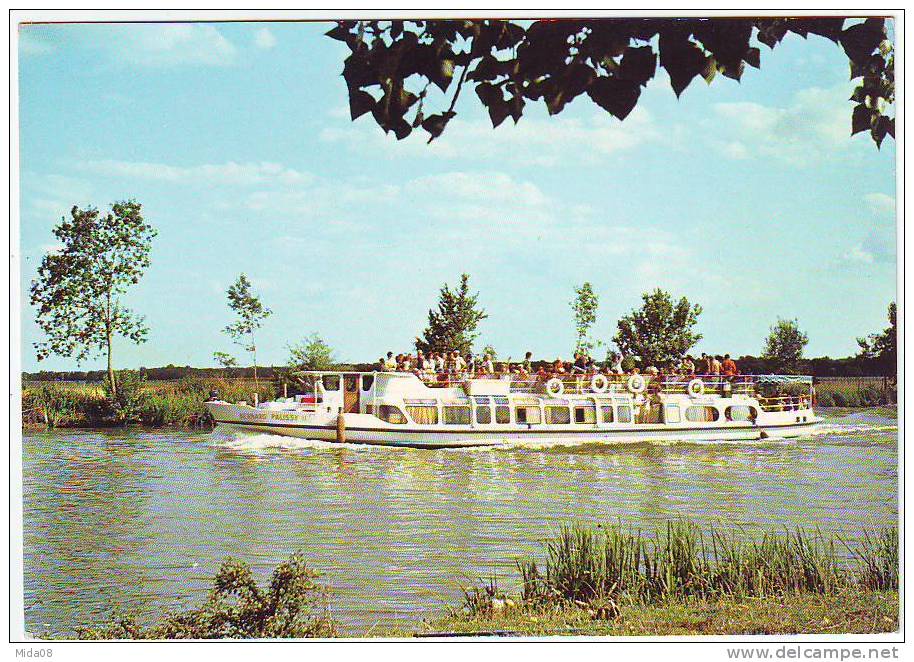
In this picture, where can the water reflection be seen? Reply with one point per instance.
(144, 519)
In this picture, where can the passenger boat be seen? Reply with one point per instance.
(402, 409)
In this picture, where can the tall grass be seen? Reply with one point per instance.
(852, 392)
(138, 401)
(588, 566)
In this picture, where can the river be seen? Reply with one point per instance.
(143, 518)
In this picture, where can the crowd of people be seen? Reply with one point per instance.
(442, 366)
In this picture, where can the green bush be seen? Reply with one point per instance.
(292, 606)
(125, 401)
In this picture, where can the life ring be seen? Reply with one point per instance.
(599, 384)
(696, 388)
(636, 384)
(555, 387)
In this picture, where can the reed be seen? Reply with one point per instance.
(154, 404)
(596, 565)
(878, 558)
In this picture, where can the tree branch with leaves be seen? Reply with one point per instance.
(453, 325)
(584, 305)
(79, 289)
(251, 314)
(660, 333)
(393, 64)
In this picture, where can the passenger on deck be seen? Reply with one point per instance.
(705, 364)
(652, 370)
(688, 366)
(527, 365)
(580, 363)
(729, 367)
(440, 363)
(616, 364)
(458, 364)
(558, 367)
(715, 365)
(487, 367)
(389, 363)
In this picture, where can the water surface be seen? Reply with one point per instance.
(143, 518)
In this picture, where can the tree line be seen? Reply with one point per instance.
(79, 289)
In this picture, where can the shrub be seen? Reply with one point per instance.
(237, 608)
(124, 405)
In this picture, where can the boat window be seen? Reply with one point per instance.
(423, 414)
(483, 415)
(527, 414)
(367, 382)
(502, 414)
(481, 399)
(331, 382)
(585, 415)
(351, 383)
(456, 415)
(702, 414)
(369, 409)
(607, 411)
(738, 413)
(557, 415)
(624, 414)
(391, 414)
(672, 414)
(500, 400)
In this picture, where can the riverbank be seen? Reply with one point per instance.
(151, 404)
(847, 612)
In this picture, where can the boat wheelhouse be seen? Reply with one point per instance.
(403, 409)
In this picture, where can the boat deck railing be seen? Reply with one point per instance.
(766, 387)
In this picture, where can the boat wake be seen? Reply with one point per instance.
(262, 441)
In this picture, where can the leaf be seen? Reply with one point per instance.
(862, 119)
(859, 41)
(435, 124)
(754, 58)
(360, 102)
(881, 127)
(617, 97)
(638, 65)
(340, 33)
(401, 128)
(682, 58)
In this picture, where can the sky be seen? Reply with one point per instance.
(748, 198)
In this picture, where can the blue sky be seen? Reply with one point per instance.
(749, 198)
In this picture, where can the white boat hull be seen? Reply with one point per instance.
(365, 429)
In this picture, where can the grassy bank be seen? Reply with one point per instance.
(679, 580)
(155, 404)
(599, 581)
(855, 392)
(844, 612)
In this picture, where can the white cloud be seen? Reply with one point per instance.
(876, 248)
(53, 195)
(264, 39)
(735, 150)
(880, 203)
(544, 142)
(157, 45)
(813, 126)
(230, 173)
